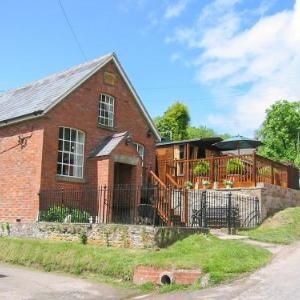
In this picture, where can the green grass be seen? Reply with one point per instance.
(282, 228)
(222, 259)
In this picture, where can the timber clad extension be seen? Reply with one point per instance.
(177, 164)
(53, 132)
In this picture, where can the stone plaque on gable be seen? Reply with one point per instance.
(110, 78)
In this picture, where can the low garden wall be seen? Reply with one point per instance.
(110, 235)
(272, 198)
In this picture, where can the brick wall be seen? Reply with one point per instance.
(20, 170)
(80, 110)
(144, 274)
(24, 171)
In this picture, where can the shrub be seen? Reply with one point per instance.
(59, 213)
(188, 185)
(235, 166)
(83, 238)
(202, 168)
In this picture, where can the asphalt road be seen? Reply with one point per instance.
(278, 280)
(22, 284)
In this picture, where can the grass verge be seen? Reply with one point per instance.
(281, 228)
(224, 260)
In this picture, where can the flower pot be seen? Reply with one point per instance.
(216, 185)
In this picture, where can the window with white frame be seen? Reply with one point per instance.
(141, 150)
(106, 110)
(70, 152)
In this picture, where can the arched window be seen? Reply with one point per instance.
(70, 152)
(106, 110)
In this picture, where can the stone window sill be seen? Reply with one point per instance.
(70, 179)
(107, 128)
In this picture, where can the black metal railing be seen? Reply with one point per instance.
(223, 210)
(150, 205)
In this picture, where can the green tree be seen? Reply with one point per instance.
(174, 122)
(200, 132)
(204, 132)
(280, 132)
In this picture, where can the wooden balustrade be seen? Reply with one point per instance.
(242, 170)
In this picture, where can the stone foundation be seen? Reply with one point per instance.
(110, 235)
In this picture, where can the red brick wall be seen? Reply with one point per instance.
(24, 171)
(20, 171)
(144, 274)
(80, 110)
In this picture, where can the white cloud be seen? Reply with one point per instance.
(175, 10)
(265, 57)
(175, 57)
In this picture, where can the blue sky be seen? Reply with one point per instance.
(228, 60)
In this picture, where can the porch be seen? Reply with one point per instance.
(228, 170)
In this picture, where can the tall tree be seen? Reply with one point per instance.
(280, 132)
(174, 122)
(200, 132)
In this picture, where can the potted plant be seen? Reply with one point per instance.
(216, 185)
(188, 185)
(235, 168)
(205, 184)
(228, 184)
(201, 171)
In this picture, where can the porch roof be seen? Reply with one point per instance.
(109, 144)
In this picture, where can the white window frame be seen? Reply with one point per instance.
(106, 110)
(70, 159)
(141, 153)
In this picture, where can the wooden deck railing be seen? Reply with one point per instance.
(242, 170)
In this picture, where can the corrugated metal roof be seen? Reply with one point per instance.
(109, 144)
(41, 94)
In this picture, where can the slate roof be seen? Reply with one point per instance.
(109, 144)
(41, 94)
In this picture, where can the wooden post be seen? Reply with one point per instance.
(212, 169)
(254, 168)
(272, 173)
(169, 205)
(165, 177)
(187, 169)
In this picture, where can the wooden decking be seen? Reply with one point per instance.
(251, 170)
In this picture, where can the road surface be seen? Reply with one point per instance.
(17, 283)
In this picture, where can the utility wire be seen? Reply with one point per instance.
(72, 30)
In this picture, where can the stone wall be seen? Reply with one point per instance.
(110, 235)
(272, 198)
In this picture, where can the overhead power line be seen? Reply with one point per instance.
(72, 30)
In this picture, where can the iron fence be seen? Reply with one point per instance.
(150, 205)
(223, 209)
